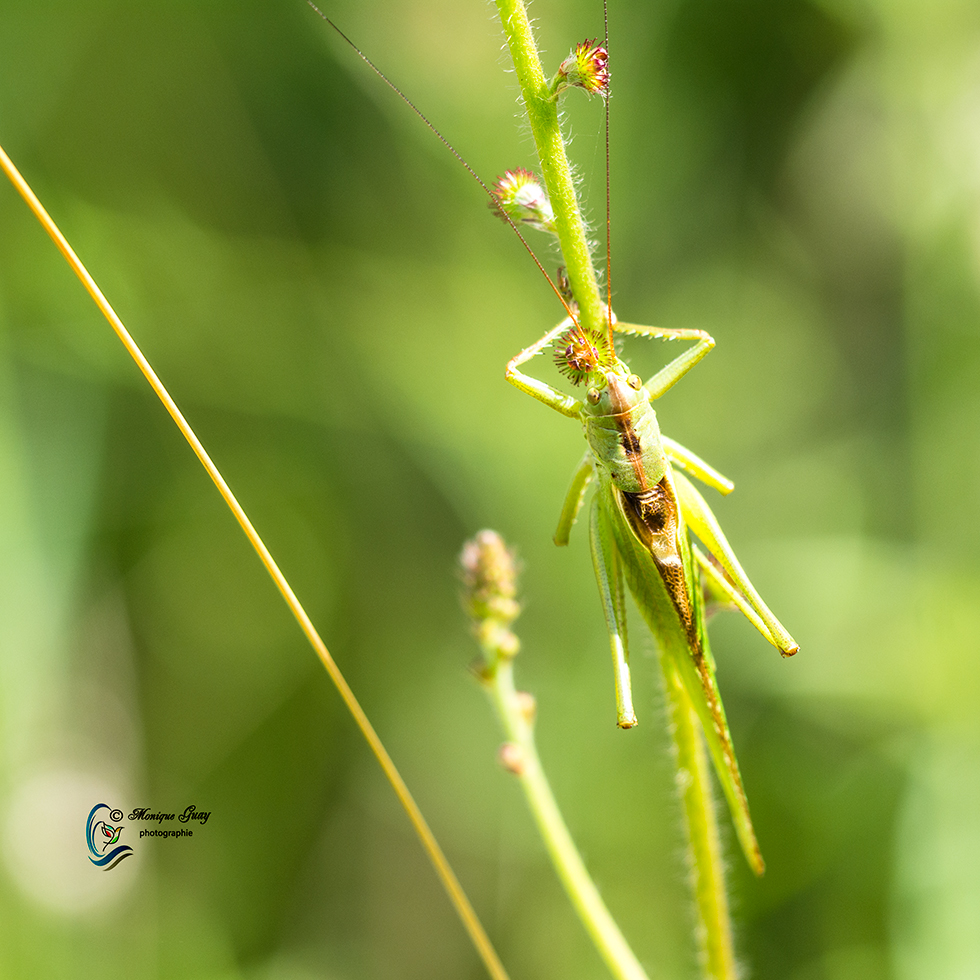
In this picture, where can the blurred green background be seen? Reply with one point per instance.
(331, 304)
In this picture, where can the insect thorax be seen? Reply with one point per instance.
(626, 443)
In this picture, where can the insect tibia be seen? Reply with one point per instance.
(717, 591)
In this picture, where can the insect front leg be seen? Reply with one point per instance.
(552, 397)
(703, 523)
(671, 373)
(581, 479)
(609, 575)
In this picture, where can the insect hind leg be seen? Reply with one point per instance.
(700, 520)
(609, 576)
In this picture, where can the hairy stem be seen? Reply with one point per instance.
(707, 861)
(715, 931)
(516, 719)
(490, 598)
(542, 113)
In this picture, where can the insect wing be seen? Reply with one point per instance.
(661, 584)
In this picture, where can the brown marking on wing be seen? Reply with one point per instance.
(653, 514)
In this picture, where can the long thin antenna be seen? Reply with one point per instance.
(605, 17)
(452, 149)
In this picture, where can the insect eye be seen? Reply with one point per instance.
(593, 396)
(635, 382)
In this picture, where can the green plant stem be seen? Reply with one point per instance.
(542, 113)
(518, 726)
(707, 866)
(707, 861)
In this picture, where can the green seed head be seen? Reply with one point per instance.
(489, 596)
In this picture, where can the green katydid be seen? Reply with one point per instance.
(641, 517)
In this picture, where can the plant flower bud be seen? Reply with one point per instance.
(489, 578)
(489, 595)
(587, 66)
(520, 197)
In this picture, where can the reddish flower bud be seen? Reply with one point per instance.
(513, 758)
(587, 66)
